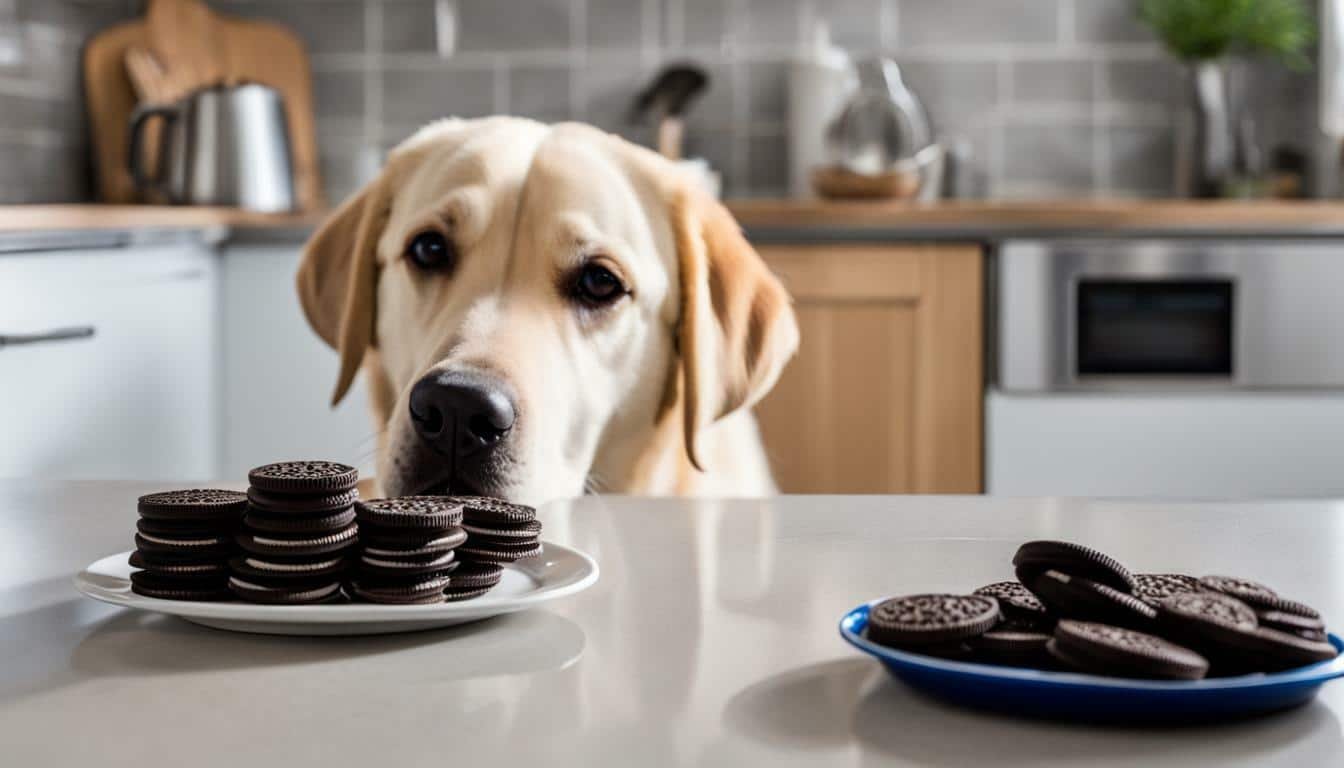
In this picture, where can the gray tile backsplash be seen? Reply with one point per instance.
(517, 26)
(1055, 157)
(415, 96)
(43, 135)
(325, 26)
(926, 23)
(1053, 97)
(1052, 81)
(1107, 21)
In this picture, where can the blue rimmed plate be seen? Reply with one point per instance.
(1072, 696)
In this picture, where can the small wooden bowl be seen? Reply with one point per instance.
(840, 183)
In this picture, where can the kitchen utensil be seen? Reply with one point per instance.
(1073, 696)
(667, 97)
(821, 81)
(882, 124)
(558, 572)
(252, 52)
(222, 146)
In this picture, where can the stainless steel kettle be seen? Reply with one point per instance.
(224, 145)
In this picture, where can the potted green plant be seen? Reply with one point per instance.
(1210, 36)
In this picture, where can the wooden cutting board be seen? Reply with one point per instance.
(246, 51)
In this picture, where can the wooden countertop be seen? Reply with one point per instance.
(76, 217)
(780, 218)
(973, 219)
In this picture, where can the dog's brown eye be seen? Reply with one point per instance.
(431, 251)
(596, 285)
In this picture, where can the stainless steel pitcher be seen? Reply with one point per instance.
(219, 146)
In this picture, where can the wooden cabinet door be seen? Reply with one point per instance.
(885, 395)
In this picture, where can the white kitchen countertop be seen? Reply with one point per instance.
(709, 640)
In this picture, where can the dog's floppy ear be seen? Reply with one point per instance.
(337, 277)
(737, 327)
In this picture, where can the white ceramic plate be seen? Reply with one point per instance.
(557, 572)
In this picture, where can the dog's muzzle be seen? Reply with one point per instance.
(464, 416)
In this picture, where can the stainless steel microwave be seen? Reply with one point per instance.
(1167, 314)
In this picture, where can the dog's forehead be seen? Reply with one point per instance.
(579, 187)
(442, 159)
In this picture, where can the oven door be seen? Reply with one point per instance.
(1168, 315)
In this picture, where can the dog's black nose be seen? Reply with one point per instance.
(461, 412)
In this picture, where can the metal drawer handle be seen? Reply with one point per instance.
(55, 334)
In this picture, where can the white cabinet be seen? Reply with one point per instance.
(201, 366)
(137, 399)
(277, 374)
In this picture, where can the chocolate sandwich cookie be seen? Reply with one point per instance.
(528, 531)
(260, 520)
(406, 565)
(165, 587)
(1256, 595)
(184, 529)
(1228, 631)
(200, 504)
(421, 591)
(307, 478)
(298, 545)
(476, 575)
(394, 543)
(291, 504)
(1220, 627)
(1012, 647)
(1153, 587)
(472, 580)
(1037, 557)
(193, 546)
(917, 621)
(1080, 598)
(1017, 603)
(1275, 651)
(176, 567)
(495, 552)
(1100, 649)
(270, 571)
(1292, 623)
(432, 512)
(293, 593)
(487, 510)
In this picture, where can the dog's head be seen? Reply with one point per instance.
(530, 303)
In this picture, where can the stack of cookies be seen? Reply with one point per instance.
(298, 533)
(183, 543)
(497, 533)
(407, 549)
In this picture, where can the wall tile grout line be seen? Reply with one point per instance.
(373, 76)
(1067, 21)
(1101, 151)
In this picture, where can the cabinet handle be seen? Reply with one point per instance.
(55, 334)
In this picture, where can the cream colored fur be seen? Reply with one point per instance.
(650, 396)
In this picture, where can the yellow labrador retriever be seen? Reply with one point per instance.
(542, 311)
